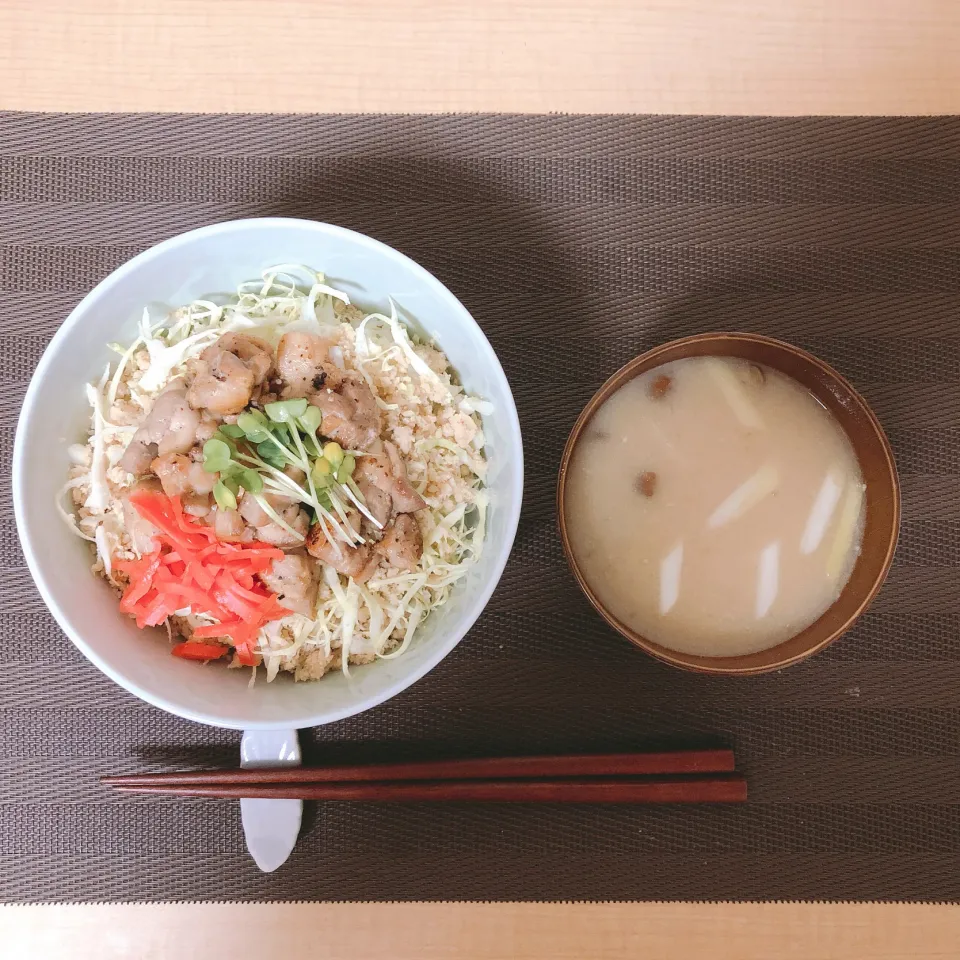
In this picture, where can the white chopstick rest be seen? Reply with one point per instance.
(270, 826)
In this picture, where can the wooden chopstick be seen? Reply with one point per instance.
(489, 768)
(732, 789)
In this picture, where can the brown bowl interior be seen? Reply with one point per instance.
(876, 462)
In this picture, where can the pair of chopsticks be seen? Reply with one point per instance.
(683, 776)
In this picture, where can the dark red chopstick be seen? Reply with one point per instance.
(489, 768)
(731, 789)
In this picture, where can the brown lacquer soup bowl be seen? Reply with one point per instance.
(882, 495)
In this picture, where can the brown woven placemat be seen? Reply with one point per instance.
(576, 242)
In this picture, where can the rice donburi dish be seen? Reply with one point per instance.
(281, 479)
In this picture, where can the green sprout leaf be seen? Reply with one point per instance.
(216, 456)
(283, 411)
(216, 450)
(310, 420)
(232, 483)
(346, 468)
(311, 446)
(254, 427)
(223, 438)
(271, 452)
(250, 480)
(321, 473)
(333, 452)
(286, 434)
(226, 498)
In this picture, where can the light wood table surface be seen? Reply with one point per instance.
(784, 57)
(409, 56)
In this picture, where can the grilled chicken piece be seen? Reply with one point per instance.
(402, 543)
(170, 427)
(225, 375)
(350, 414)
(304, 365)
(181, 475)
(229, 525)
(257, 354)
(387, 472)
(358, 562)
(292, 580)
(267, 529)
(378, 502)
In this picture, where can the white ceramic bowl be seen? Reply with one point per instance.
(55, 413)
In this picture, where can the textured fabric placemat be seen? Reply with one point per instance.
(576, 242)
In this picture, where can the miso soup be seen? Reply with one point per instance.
(715, 506)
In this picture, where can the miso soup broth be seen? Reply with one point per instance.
(714, 506)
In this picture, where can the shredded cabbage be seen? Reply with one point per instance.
(103, 550)
(376, 617)
(413, 612)
(99, 494)
(69, 518)
(476, 405)
(462, 454)
(348, 622)
(164, 358)
(402, 340)
(480, 528)
(118, 373)
(77, 453)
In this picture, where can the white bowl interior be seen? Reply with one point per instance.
(55, 414)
